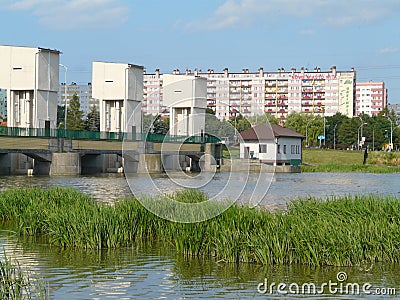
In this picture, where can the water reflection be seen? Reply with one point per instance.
(284, 187)
(156, 271)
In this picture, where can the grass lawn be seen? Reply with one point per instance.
(320, 160)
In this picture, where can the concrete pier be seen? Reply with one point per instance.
(65, 164)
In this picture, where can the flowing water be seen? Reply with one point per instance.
(156, 272)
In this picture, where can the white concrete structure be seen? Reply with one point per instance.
(271, 144)
(30, 76)
(119, 89)
(186, 97)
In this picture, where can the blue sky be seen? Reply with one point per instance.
(215, 34)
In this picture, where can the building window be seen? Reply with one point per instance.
(284, 149)
(279, 149)
(262, 148)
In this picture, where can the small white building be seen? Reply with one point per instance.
(186, 97)
(271, 144)
(119, 89)
(30, 76)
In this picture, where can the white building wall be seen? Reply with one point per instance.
(288, 142)
(293, 150)
(270, 155)
(186, 97)
(119, 89)
(30, 76)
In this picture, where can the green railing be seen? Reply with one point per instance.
(103, 135)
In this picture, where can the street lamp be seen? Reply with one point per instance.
(358, 135)
(65, 96)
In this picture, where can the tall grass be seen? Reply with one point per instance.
(16, 284)
(339, 231)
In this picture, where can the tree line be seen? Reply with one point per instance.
(75, 116)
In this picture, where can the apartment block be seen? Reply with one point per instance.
(371, 97)
(277, 93)
(83, 91)
(153, 94)
(30, 76)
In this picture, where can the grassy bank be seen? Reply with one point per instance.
(319, 160)
(340, 231)
(16, 284)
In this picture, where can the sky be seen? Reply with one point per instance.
(213, 34)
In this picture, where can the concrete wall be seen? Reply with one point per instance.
(30, 76)
(272, 155)
(65, 164)
(119, 89)
(186, 96)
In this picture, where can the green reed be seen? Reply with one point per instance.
(339, 231)
(16, 284)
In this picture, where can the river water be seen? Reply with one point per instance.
(156, 272)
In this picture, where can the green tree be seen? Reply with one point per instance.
(210, 111)
(240, 123)
(60, 116)
(263, 119)
(347, 133)
(92, 122)
(75, 114)
(308, 125)
(161, 125)
(332, 125)
(219, 128)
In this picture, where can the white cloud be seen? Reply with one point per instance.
(238, 13)
(73, 14)
(387, 50)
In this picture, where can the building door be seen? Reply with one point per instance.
(246, 152)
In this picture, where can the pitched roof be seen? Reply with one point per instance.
(268, 132)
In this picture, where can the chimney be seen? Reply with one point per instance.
(196, 72)
(157, 73)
